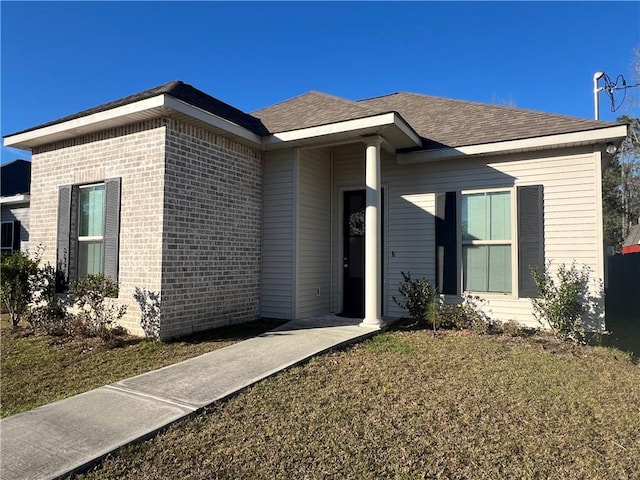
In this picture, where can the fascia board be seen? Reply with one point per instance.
(22, 198)
(24, 140)
(374, 121)
(74, 127)
(211, 119)
(586, 137)
(407, 129)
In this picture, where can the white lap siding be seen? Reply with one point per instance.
(314, 227)
(572, 220)
(278, 232)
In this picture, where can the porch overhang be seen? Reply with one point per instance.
(395, 131)
(602, 136)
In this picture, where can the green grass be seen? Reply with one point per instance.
(37, 370)
(408, 405)
(388, 343)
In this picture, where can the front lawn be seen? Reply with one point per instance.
(36, 370)
(408, 405)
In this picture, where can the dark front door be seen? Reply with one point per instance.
(353, 248)
(353, 259)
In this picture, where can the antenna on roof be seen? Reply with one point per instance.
(609, 87)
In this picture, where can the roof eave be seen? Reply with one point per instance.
(15, 199)
(153, 107)
(609, 134)
(397, 133)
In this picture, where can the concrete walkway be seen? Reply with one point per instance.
(65, 436)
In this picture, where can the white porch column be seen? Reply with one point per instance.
(373, 229)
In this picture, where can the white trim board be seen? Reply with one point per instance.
(123, 115)
(601, 135)
(22, 198)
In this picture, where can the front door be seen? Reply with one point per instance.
(353, 258)
(354, 204)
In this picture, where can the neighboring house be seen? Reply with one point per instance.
(632, 242)
(231, 216)
(15, 180)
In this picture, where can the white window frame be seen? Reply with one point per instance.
(512, 242)
(90, 238)
(9, 249)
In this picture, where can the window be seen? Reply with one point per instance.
(485, 227)
(10, 236)
(7, 237)
(486, 242)
(88, 230)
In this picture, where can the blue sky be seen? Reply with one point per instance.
(62, 57)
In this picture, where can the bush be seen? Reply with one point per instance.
(467, 315)
(561, 305)
(511, 328)
(422, 302)
(17, 273)
(150, 309)
(48, 314)
(98, 314)
(419, 299)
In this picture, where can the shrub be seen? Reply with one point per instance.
(468, 315)
(149, 311)
(561, 305)
(96, 312)
(17, 273)
(511, 328)
(48, 314)
(419, 300)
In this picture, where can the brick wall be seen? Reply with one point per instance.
(191, 206)
(212, 221)
(136, 154)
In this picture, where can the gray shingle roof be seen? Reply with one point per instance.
(181, 91)
(310, 110)
(454, 123)
(15, 178)
(439, 121)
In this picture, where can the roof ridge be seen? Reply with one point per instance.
(283, 101)
(493, 106)
(315, 92)
(380, 96)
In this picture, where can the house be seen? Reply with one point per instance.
(232, 216)
(632, 242)
(15, 180)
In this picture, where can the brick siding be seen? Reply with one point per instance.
(190, 217)
(136, 154)
(212, 224)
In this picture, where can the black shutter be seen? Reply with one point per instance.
(16, 235)
(64, 226)
(530, 237)
(111, 228)
(447, 243)
(73, 234)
